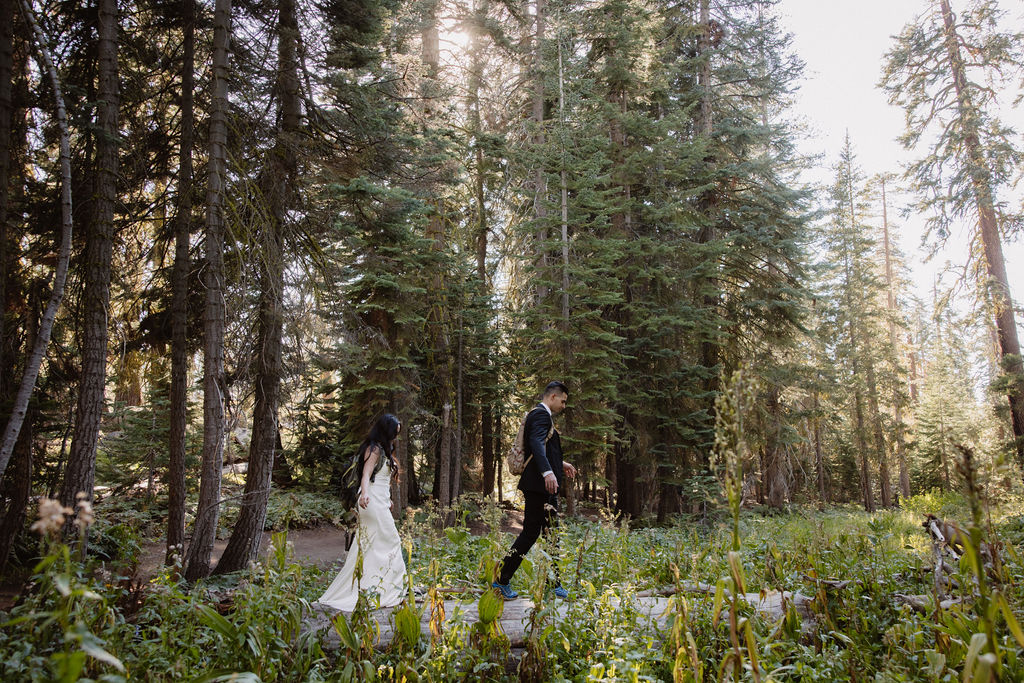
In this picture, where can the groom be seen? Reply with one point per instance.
(540, 482)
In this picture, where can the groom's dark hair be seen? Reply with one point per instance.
(552, 387)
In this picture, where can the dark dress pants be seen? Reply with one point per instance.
(536, 520)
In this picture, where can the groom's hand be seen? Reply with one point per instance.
(551, 483)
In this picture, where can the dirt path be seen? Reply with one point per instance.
(321, 546)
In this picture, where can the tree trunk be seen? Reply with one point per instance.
(913, 367)
(480, 210)
(280, 193)
(943, 456)
(407, 492)
(819, 459)
(709, 351)
(567, 340)
(858, 413)
(8, 246)
(776, 486)
(17, 488)
(31, 372)
(443, 494)
(981, 185)
(626, 499)
(540, 210)
(885, 480)
(867, 495)
(214, 386)
(897, 399)
(437, 318)
(487, 448)
(17, 481)
(458, 436)
(80, 474)
(666, 494)
(282, 474)
(499, 460)
(850, 268)
(564, 182)
(179, 294)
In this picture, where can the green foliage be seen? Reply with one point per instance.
(294, 510)
(251, 625)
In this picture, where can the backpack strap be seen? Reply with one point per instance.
(551, 432)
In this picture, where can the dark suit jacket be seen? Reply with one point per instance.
(545, 458)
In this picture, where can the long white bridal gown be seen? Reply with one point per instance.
(383, 565)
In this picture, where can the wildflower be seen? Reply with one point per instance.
(85, 516)
(51, 517)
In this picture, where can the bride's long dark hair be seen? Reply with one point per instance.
(383, 432)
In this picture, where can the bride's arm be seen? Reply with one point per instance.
(364, 486)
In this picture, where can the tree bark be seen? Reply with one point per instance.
(80, 474)
(819, 459)
(540, 210)
(862, 450)
(981, 183)
(776, 486)
(564, 182)
(885, 480)
(626, 500)
(437, 318)
(709, 351)
(280, 192)
(666, 494)
(179, 294)
(444, 458)
(897, 399)
(500, 460)
(197, 564)
(17, 481)
(481, 229)
(458, 437)
(858, 404)
(913, 368)
(8, 246)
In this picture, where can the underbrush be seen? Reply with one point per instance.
(76, 621)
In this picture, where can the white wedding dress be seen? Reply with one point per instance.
(378, 544)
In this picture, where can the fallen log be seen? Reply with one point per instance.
(925, 603)
(684, 587)
(514, 622)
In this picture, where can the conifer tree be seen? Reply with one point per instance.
(900, 396)
(939, 71)
(179, 295)
(280, 193)
(947, 413)
(856, 320)
(197, 561)
(79, 477)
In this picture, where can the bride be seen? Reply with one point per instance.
(378, 548)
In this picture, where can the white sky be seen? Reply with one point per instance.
(843, 43)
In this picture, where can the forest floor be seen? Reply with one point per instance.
(806, 595)
(320, 546)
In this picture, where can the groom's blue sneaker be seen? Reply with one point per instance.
(561, 592)
(506, 590)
